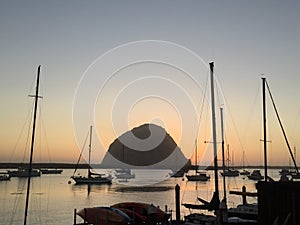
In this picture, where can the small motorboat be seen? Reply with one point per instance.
(245, 173)
(230, 173)
(255, 175)
(199, 176)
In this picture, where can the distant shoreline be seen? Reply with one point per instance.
(85, 166)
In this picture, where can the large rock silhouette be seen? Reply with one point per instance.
(147, 146)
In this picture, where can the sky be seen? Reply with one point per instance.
(119, 64)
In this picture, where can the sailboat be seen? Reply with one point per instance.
(200, 175)
(124, 173)
(92, 178)
(29, 169)
(23, 171)
(228, 172)
(244, 172)
(200, 218)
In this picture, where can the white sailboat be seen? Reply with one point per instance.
(92, 178)
(200, 175)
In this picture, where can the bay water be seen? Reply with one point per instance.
(53, 199)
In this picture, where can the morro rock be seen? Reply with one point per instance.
(146, 146)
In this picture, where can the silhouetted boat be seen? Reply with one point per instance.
(213, 205)
(295, 175)
(4, 177)
(255, 175)
(230, 173)
(179, 173)
(92, 178)
(24, 172)
(51, 171)
(199, 176)
(284, 172)
(245, 172)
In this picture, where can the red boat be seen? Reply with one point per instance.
(142, 210)
(104, 215)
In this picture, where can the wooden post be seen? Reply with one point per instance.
(177, 202)
(74, 222)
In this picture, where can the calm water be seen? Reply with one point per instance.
(53, 200)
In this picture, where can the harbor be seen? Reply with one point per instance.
(149, 113)
(48, 190)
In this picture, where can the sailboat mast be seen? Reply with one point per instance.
(213, 115)
(36, 96)
(90, 151)
(265, 126)
(196, 155)
(223, 153)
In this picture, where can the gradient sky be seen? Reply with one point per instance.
(244, 38)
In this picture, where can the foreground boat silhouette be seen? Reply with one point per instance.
(124, 213)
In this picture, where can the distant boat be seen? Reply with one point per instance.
(92, 178)
(284, 172)
(245, 172)
(24, 172)
(295, 174)
(124, 174)
(255, 175)
(4, 177)
(199, 176)
(229, 172)
(179, 173)
(51, 171)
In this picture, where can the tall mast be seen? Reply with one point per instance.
(265, 126)
(196, 155)
(36, 96)
(223, 154)
(90, 151)
(213, 115)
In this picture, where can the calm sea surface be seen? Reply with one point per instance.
(53, 200)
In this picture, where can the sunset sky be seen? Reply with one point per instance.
(124, 58)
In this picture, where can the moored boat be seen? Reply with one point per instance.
(255, 175)
(199, 176)
(51, 171)
(92, 178)
(24, 172)
(4, 177)
(245, 172)
(230, 173)
(124, 174)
